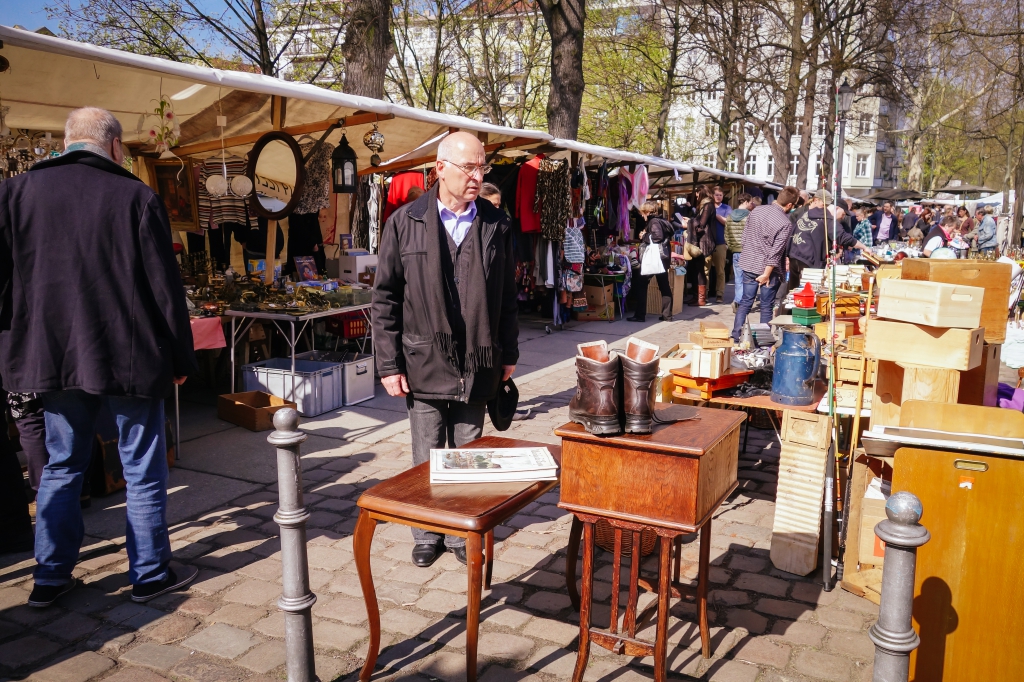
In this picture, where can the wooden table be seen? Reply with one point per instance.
(765, 402)
(470, 511)
(670, 481)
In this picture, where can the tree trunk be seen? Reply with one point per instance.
(564, 20)
(810, 95)
(828, 163)
(1017, 219)
(668, 91)
(368, 47)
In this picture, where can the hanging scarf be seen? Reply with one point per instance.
(479, 348)
(640, 187)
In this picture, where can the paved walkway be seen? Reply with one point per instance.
(766, 624)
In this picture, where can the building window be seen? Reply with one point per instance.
(866, 125)
(846, 165)
(862, 165)
(731, 165)
(817, 166)
(799, 126)
(794, 166)
(750, 167)
(771, 166)
(776, 126)
(710, 129)
(820, 126)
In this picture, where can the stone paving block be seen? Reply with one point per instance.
(808, 634)
(742, 618)
(240, 538)
(110, 640)
(407, 573)
(133, 674)
(25, 651)
(526, 556)
(784, 609)
(504, 616)
(337, 636)
(548, 602)
(742, 562)
(272, 625)
(544, 579)
(851, 602)
(336, 505)
(184, 604)
(504, 593)
(821, 666)
(529, 539)
(264, 658)
(8, 630)
(439, 601)
(728, 597)
(397, 593)
(203, 669)
(837, 619)
(11, 597)
(731, 671)
(332, 667)
(449, 581)
(321, 518)
(253, 593)
(328, 558)
(71, 627)
(814, 593)
(212, 582)
(238, 615)
(551, 630)
(222, 640)
(171, 628)
(404, 621)
(762, 583)
(447, 666)
(226, 559)
(78, 668)
(764, 651)
(856, 644)
(156, 656)
(346, 609)
(132, 615)
(183, 550)
(561, 663)
(264, 569)
(505, 646)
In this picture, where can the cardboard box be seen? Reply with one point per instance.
(933, 303)
(846, 396)
(917, 344)
(253, 410)
(872, 550)
(667, 363)
(714, 330)
(700, 340)
(605, 313)
(844, 330)
(991, 276)
(350, 267)
(599, 296)
(710, 363)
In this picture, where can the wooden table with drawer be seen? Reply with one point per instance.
(670, 481)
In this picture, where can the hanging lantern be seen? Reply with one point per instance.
(343, 168)
(374, 141)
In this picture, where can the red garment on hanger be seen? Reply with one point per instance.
(526, 192)
(401, 183)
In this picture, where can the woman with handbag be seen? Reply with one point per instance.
(653, 259)
(700, 239)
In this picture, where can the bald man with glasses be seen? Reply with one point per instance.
(445, 325)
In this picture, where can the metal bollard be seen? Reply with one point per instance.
(296, 600)
(893, 634)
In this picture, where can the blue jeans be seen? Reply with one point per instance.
(750, 287)
(70, 433)
(737, 279)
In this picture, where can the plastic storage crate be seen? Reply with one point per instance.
(351, 325)
(315, 389)
(357, 372)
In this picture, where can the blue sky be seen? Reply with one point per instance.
(27, 13)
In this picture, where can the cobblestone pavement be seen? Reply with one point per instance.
(766, 624)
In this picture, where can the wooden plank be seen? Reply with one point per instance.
(250, 138)
(923, 345)
(801, 486)
(930, 383)
(989, 421)
(278, 111)
(994, 278)
(885, 407)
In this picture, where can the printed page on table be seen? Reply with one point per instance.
(479, 462)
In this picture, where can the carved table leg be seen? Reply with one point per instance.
(702, 588)
(489, 566)
(664, 594)
(475, 561)
(361, 546)
(677, 542)
(588, 582)
(571, 554)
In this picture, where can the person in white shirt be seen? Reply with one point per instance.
(888, 228)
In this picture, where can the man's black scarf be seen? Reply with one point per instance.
(479, 347)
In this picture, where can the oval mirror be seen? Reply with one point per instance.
(277, 175)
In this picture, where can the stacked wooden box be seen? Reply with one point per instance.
(712, 350)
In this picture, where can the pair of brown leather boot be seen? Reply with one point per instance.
(615, 392)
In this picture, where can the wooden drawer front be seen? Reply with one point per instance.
(630, 484)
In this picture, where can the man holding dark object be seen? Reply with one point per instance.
(444, 314)
(85, 341)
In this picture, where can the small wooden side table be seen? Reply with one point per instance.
(671, 481)
(467, 510)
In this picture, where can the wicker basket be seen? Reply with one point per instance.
(604, 536)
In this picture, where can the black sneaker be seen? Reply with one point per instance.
(44, 595)
(146, 591)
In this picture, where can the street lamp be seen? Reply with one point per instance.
(843, 107)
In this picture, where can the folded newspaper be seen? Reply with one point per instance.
(492, 465)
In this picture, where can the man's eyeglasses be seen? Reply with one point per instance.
(471, 170)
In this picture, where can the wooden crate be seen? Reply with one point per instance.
(991, 276)
(710, 363)
(824, 330)
(935, 304)
(848, 368)
(700, 340)
(796, 529)
(714, 330)
(687, 386)
(980, 386)
(922, 345)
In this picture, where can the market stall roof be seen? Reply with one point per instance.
(51, 76)
(964, 189)
(894, 195)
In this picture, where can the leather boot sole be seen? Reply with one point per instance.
(599, 426)
(635, 424)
